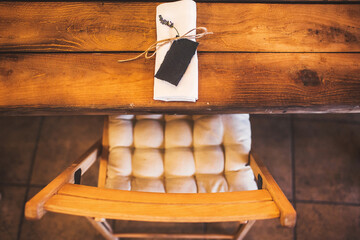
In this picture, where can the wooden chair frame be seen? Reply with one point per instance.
(62, 195)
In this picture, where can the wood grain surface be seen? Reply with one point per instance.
(109, 26)
(228, 82)
(173, 236)
(287, 211)
(272, 58)
(168, 198)
(162, 212)
(34, 208)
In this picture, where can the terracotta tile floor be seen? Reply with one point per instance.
(314, 158)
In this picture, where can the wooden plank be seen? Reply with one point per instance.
(103, 160)
(168, 198)
(34, 208)
(104, 155)
(161, 212)
(287, 211)
(109, 26)
(173, 235)
(228, 82)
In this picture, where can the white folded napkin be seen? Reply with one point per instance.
(183, 15)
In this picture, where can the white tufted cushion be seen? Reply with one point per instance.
(209, 160)
(178, 133)
(180, 185)
(179, 162)
(180, 153)
(118, 182)
(148, 133)
(242, 180)
(208, 130)
(119, 168)
(120, 133)
(211, 183)
(236, 157)
(148, 163)
(147, 185)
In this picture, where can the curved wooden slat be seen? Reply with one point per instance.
(173, 235)
(228, 82)
(162, 212)
(161, 198)
(109, 26)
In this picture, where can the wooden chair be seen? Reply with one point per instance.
(65, 195)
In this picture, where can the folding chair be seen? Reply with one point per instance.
(234, 188)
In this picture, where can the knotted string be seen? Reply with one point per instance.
(155, 46)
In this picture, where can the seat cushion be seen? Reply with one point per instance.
(180, 153)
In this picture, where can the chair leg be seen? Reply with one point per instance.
(243, 230)
(104, 228)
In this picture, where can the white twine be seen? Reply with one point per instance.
(155, 46)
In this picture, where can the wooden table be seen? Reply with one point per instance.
(61, 58)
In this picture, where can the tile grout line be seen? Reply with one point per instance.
(328, 120)
(113, 225)
(205, 228)
(14, 184)
(28, 185)
(293, 169)
(329, 203)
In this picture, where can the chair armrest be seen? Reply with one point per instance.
(287, 211)
(34, 208)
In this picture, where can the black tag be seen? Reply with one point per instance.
(176, 61)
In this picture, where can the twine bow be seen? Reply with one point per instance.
(156, 45)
